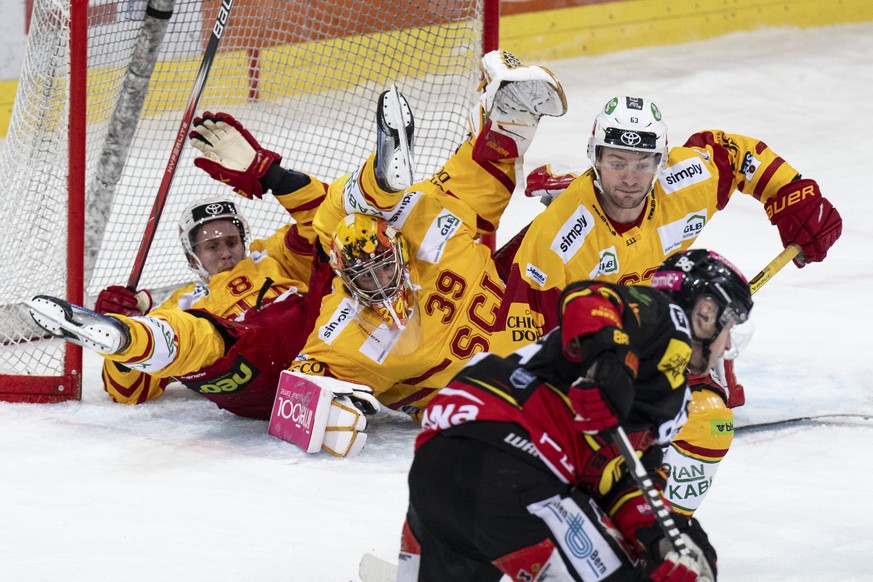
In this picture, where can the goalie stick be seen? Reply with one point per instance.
(161, 197)
(375, 569)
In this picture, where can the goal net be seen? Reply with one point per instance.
(302, 75)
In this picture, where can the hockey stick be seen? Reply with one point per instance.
(374, 569)
(161, 198)
(638, 471)
(653, 496)
(774, 266)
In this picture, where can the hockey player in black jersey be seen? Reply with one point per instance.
(514, 471)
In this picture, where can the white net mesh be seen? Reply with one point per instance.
(302, 75)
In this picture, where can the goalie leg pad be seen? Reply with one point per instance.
(317, 413)
(78, 325)
(343, 435)
(395, 130)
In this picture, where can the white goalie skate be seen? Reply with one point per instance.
(78, 325)
(395, 129)
(514, 98)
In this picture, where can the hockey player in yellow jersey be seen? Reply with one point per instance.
(417, 294)
(482, 171)
(416, 301)
(440, 308)
(217, 335)
(638, 204)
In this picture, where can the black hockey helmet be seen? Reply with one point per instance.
(689, 275)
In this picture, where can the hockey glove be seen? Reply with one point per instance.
(805, 217)
(122, 301)
(545, 184)
(230, 153)
(666, 564)
(603, 398)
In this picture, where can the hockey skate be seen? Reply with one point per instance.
(395, 128)
(78, 325)
(514, 98)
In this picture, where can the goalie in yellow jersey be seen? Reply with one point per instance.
(639, 204)
(417, 295)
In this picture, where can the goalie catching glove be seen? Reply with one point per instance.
(805, 217)
(514, 98)
(230, 153)
(318, 413)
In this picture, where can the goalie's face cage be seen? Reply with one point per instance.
(370, 257)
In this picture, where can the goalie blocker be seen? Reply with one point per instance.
(318, 413)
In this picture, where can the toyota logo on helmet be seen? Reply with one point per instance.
(631, 138)
(213, 209)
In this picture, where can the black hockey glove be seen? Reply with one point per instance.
(602, 398)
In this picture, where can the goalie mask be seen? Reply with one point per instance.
(631, 124)
(692, 276)
(371, 257)
(198, 226)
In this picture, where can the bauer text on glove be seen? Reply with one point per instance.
(805, 217)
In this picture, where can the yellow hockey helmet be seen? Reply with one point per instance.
(372, 259)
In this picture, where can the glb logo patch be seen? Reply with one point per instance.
(688, 227)
(607, 265)
(443, 227)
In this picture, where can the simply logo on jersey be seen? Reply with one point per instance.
(341, 317)
(607, 265)
(440, 231)
(572, 234)
(686, 228)
(397, 217)
(258, 256)
(683, 174)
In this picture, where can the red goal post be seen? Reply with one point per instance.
(100, 99)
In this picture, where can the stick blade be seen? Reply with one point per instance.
(375, 569)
